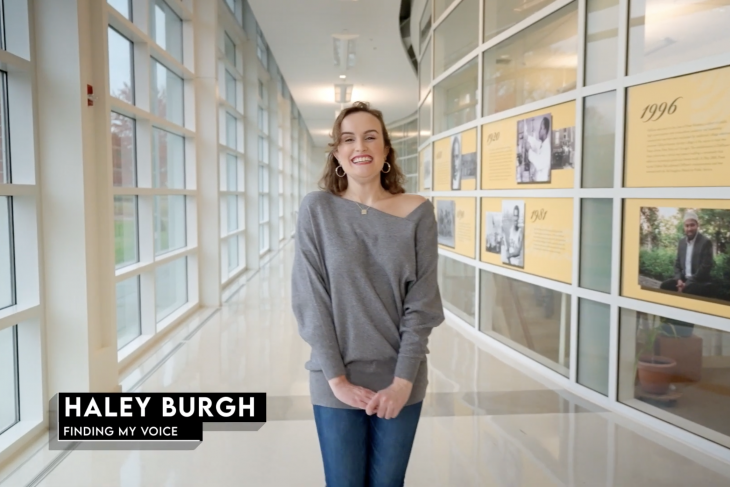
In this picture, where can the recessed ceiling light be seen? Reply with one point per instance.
(343, 76)
(344, 50)
(343, 93)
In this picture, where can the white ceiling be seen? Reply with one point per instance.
(299, 34)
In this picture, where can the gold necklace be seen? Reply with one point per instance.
(363, 211)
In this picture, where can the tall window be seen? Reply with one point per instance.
(153, 169)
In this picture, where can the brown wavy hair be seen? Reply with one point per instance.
(392, 181)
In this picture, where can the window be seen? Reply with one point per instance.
(231, 129)
(500, 15)
(455, 98)
(425, 24)
(124, 7)
(170, 228)
(261, 49)
(171, 287)
(129, 325)
(9, 404)
(168, 160)
(536, 63)
(167, 93)
(424, 71)
(458, 287)
(167, 29)
(230, 89)
(456, 36)
(125, 231)
(121, 70)
(124, 151)
(601, 40)
(229, 48)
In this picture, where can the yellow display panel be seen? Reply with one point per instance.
(425, 169)
(541, 241)
(455, 162)
(532, 150)
(678, 132)
(655, 251)
(456, 219)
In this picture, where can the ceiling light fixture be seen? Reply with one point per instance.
(343, 93)
(343, 76)
(343, 46)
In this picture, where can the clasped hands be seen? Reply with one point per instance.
(387, 403)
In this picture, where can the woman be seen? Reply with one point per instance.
(366, 297)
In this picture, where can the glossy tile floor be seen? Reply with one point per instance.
(485, 423)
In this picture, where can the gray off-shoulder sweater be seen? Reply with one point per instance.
(365, 294)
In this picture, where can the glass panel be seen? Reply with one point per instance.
(170, 231)
(531, 319)
(167, 93)
(231, 4)
(124, 7)
(8, 378)
(456, 36)
(230, 88)
(666, 33)
(424, 72)
(596, 230)
(168, 160)
(171, 287)
(411, 146)
(4, 153)
(121, 70)
(129, 324)
(500, 15)
(6, 256)
(440, 7)
(425, 25)
(124, 151)
(231, 172)
(167, 29)
(458, 287)
(676, 371)
(601, 41)
(455, 98)
(232, 213)
(231, 130)
(412, 128)
(229, 48)
(599, 138)
(125, 231)
(536, 63)
(594, 333)
(424, 120)
(232, 253)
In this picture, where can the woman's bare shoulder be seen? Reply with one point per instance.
(404, 204)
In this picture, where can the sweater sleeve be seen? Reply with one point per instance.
(422, 308)
(311, 300)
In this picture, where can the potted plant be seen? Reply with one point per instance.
(655, 371)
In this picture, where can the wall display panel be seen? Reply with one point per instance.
(536, 63)
(535, 149)
(456, 219)
(666, 33)
(676, 371)
(425, 171)
(455, 162)
(531, 319)
(677, 253)
(534, 235)
(677, 132)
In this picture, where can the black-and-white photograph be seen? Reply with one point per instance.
(469, 166)
(494, 235)
(427, 168)
(513, 231)
(563, 148)
(446, 219)
(534, 149)
(456, 162)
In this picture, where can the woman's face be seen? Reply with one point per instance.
(361, 151)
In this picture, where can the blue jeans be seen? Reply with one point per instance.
(365, 451)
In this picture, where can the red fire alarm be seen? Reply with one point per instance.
(90, 95)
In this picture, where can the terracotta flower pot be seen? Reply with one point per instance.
(655, 373)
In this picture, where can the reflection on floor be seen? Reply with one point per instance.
(485, 422)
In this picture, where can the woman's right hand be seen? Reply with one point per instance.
(350, 394)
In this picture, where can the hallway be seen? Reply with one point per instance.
(485, 423)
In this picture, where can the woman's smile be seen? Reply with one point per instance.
(361, 160)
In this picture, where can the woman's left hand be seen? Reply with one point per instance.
(389, 402)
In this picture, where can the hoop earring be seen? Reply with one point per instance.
(389, 167)
(337, 172)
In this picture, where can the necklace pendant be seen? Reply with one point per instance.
(363, 212)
